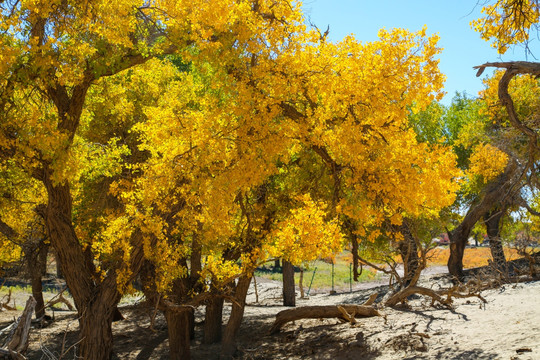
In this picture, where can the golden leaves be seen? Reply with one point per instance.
(487, 161)
(507, 22)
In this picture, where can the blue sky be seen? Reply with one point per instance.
(462, 46)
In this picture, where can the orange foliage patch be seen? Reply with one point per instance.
(473, 257)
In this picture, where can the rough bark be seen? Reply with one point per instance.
(19, 342)
(178, 324)
(319, 312)
(228, 345)
(409, 253)
(289, 298)
(496, 192)
(492, 220)
(456, 292)
(36, 260)
(213, 320)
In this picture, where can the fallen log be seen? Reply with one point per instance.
(345, 312)
(402, 295)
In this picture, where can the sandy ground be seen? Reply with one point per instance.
(506, 327)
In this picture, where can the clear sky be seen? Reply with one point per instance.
(462, 46)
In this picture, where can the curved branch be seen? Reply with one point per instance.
(514, 68)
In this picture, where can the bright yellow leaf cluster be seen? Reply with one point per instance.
(507, 22)
(487, 161)
(305, 234)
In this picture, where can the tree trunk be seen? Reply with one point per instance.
(301, 283)
(492, 220)
(58, 267)
(178, 324)
(36, 261)
(37, 293)
(288, 284)
(498, 191)
(350, 230)
(228, 346)
(409, 253)
(95, 300)
(96, 335)
(213, 320)
(355, 258)
(457, 249)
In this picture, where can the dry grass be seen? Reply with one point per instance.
(473, 257)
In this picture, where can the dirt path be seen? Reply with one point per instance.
(507, 327)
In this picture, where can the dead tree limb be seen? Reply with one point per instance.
(322, 312)
(60, 299)
(18, 344)
(436, 296)
(4, 304)
(371, 299)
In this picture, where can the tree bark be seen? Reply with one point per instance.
(289, 298)
(355, 258)
(409, 253)
(492, 220)
(228, 345)
(301, 283)
(213, 319)
(347, 312)
(498, 191)
(178, 324)
(36, 258)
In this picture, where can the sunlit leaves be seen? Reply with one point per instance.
(508, 22)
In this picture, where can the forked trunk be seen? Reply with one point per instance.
(288, 284)
(495, 193)
(213, 320)
(95, 301)
(228, 345)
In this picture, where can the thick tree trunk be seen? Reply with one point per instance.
(492, 220)
(409, 254)
(228, 345)
(178, 324)
(95, 300)
(96, 333)
(36, 260)
(213, 320)
(496, 192)
(37, 293)
(58, 267)
(289, 298)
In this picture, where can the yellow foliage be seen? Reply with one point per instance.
(305, 235)
(507, 22)
(487, 161)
